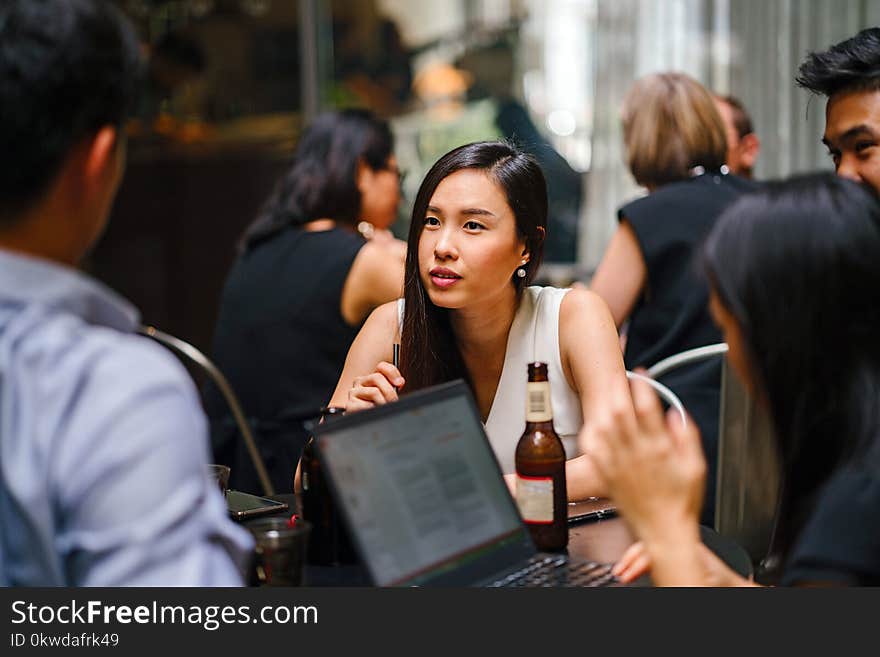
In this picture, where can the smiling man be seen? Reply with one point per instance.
(848, 74)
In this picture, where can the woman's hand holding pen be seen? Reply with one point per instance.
(375, 389)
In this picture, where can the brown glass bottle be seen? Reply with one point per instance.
(329, 542)
(540, 468)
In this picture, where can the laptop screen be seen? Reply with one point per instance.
(420, 487)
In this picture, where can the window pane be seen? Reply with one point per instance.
(218, 118)
(449, 73)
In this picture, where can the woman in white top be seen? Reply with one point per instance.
(475, 243)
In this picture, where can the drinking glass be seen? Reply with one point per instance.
(220, 474)
(279, 551)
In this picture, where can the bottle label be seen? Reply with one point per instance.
(534, 497)
(538, 407)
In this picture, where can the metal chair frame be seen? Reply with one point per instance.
(196, 357)
(665, 393)
(748, 477)
(686, 357)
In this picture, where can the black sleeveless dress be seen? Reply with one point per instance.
(672, 314)
(839, 541)
(281, 341)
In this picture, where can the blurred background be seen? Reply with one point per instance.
(232, 82)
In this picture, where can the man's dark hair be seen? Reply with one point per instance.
(741, 119)
(851, 65)
(67, 68)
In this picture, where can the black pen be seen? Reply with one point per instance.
(395, 358)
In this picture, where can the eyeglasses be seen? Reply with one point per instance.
(401, 175)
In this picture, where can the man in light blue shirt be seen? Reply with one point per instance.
(103, 443)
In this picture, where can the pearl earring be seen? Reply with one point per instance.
(521, 272)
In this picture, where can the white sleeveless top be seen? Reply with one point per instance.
(534, 336)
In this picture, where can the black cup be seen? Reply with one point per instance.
(279, 551)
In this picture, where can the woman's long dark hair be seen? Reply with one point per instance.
(429, 353)
(322, 180)
(798, 266)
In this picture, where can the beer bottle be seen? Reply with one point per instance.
(540, 468)
(329, 542)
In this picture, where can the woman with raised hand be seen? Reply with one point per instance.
(475, 243)
(793, 272)
(306, 279)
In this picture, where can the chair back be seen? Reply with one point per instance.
(686, 358)
(193, 356)
(747, 493)
(663, 392)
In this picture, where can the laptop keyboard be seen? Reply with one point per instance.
(558, 571)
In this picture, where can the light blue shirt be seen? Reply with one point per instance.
(103, 445)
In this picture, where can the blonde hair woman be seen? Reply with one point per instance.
(675, 148)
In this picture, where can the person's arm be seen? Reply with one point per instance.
(636, 561)
(130, 479)
(375, 277)
(655, 472)
(368, 378)
(362, 383)
(621, 275)
(593, 366)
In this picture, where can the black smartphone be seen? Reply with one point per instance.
(243, 506)
(596, 508)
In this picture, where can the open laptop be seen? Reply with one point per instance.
(425, 502)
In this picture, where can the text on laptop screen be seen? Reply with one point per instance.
(421, 488)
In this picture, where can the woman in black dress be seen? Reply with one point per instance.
(306, 279)
(794, 271)
(676, 147)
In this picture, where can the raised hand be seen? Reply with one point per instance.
(636, 561)
(653, 466)
(375, 389)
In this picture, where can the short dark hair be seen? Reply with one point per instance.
(67, 68)
(741, 119)
(429, 353)
(796, 264)
(851, 65)
(321, 182)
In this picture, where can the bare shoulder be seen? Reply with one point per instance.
(584, 319)
(382, 321)
(394, 247)
(372, 345)
(376, 277)
(374, 256)
(376, 335)
(580, 304)
(368, 259)
(590, 349)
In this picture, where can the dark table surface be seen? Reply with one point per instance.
(603, 539)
